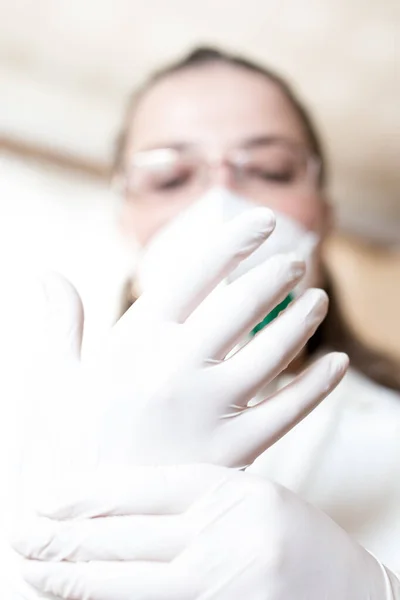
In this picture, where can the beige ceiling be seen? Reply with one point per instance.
(66, 66)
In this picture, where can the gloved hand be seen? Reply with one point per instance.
(193, 531)
(158, 391)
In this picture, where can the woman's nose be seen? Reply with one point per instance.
(222, 175)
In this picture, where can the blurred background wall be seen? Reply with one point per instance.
(67, 66)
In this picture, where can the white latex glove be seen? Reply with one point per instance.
(156, 391)
(191, 532)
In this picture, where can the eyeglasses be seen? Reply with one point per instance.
(168, 173)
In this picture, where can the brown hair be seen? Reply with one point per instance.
(334, 332)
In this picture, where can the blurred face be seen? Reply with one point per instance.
(217, 125)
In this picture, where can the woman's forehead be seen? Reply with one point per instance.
(213, 106)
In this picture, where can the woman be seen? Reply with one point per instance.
(217, 124)
(345, 458)
(142, 216)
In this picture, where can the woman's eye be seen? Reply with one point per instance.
(173, 182)
(272, 169)
(279, 176)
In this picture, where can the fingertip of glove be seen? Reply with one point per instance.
(340, 362)
(33, 572)
(261, 219)
(29, 538)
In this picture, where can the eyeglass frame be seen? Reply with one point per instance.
(312, 161)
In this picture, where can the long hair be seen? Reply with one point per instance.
(334, 333)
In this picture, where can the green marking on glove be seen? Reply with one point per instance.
(273, 314)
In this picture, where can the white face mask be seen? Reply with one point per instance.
(203, 220)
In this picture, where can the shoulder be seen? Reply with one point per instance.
(358, 392)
